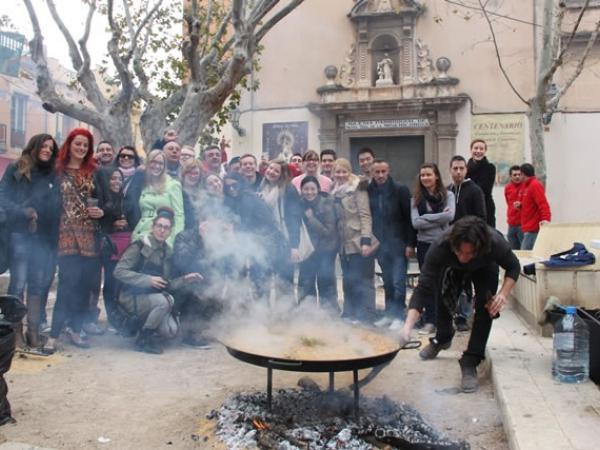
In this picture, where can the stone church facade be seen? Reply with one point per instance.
(415, 81)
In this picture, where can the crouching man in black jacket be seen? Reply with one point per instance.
(470, 251)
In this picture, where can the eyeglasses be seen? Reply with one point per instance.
(162, 227)
(126, 156)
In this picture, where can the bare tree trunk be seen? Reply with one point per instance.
(536, 139)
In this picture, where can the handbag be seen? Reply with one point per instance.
(106, 246)
(305, 247)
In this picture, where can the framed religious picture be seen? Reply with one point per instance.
(283, 139)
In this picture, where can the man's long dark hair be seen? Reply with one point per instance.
(471, 230)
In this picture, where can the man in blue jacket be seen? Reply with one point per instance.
(392, 226)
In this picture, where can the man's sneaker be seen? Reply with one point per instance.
(462, 326)
(196, 342)
(383, 322)
(469, 383)
(428, 328)
(92, 329)
(396, 324)
(432, 350)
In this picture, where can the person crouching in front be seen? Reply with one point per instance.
(144, 270)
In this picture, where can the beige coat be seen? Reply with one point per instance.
(354, 222)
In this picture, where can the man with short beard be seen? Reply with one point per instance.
(172, 152)
(249, 171)
(105, 154)
(392, 226)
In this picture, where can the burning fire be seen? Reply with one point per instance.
(260, 425)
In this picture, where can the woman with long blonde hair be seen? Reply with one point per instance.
(357, 243)
(160, 190)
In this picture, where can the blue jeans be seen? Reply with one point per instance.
(319, 271)
(393, 268)
(31, 265)
(528, 241)
(357, 282)
(514, 237)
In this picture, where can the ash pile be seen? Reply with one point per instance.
(310, 419)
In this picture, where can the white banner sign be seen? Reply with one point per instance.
(385, 124)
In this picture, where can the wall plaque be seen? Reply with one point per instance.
(385, 124)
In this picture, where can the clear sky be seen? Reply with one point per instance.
(73, 13)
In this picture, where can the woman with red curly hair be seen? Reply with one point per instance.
(78, 258)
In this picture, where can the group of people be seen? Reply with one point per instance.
(166, 233)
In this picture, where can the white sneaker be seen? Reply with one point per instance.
(396, 324)
(383, 322)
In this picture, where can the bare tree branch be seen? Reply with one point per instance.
(73, 50)
(129, 22)
(143, 24)
(86, 35)
(81, 64)
(113, 51)
(46, 88)
(276, 18)
(558, 61)
(590, 43)
(190, 46)
(499, 59)
(261, 10)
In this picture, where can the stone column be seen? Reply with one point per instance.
(328, 131)
(446, 132)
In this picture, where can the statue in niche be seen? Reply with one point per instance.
(384, 71)
(384, 6)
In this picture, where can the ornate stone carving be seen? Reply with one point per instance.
(383, 6)
(425, 70)
(348, 68)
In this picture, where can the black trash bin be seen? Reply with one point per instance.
(594, 327)
(12, 312)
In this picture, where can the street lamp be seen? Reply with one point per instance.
(234, 118)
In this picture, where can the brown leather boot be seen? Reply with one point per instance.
(34, 305)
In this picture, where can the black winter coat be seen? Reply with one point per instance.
(390, 211)
(42, 194)
(483, 173)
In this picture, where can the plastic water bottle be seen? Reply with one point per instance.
(571, 359)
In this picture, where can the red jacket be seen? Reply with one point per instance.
(513, 193)
(534, 206)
